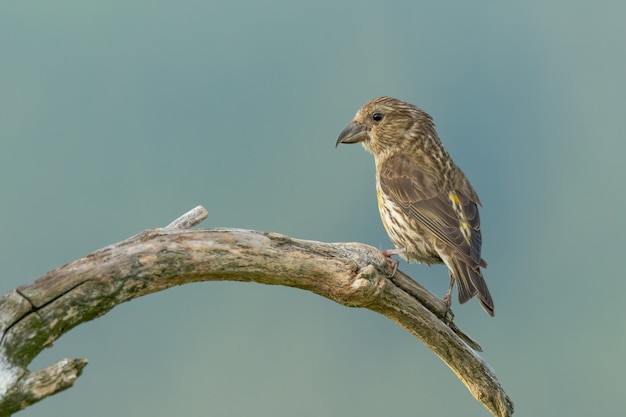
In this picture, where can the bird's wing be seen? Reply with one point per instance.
(451, 215)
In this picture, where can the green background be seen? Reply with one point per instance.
(117, 116)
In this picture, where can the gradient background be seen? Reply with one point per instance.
(120, 116)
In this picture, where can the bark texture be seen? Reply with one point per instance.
(355, 275)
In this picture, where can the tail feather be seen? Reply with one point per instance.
(470, 282)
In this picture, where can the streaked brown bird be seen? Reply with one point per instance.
(426, 203)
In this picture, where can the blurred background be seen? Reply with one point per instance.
(120, 116)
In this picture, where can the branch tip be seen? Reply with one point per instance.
(190, 219)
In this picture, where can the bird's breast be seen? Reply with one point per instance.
(418, 243)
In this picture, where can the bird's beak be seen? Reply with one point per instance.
(353, 133)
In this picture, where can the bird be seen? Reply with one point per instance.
(426, 203)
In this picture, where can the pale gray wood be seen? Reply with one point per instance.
(355, 275)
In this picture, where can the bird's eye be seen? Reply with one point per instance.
(377, 117)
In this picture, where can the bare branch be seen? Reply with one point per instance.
(356, 275)
(190, 219)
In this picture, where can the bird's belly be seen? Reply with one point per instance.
(417, 242)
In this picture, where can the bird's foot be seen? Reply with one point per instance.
(394, 262)
(447, 299)
(449, 315)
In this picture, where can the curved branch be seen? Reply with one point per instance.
(355, 275)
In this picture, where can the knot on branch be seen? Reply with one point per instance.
(364, 288)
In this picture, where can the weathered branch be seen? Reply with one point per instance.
(356, 275)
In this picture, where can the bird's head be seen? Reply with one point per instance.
(386, 123)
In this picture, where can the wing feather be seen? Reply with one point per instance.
(426, 202)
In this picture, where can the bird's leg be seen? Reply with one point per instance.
(388, 253)
(395, 251)
(448, 297)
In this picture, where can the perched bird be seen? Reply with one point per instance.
(426, 203)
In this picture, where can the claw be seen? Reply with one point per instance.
(388, 253)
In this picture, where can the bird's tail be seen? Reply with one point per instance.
(470, 282)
